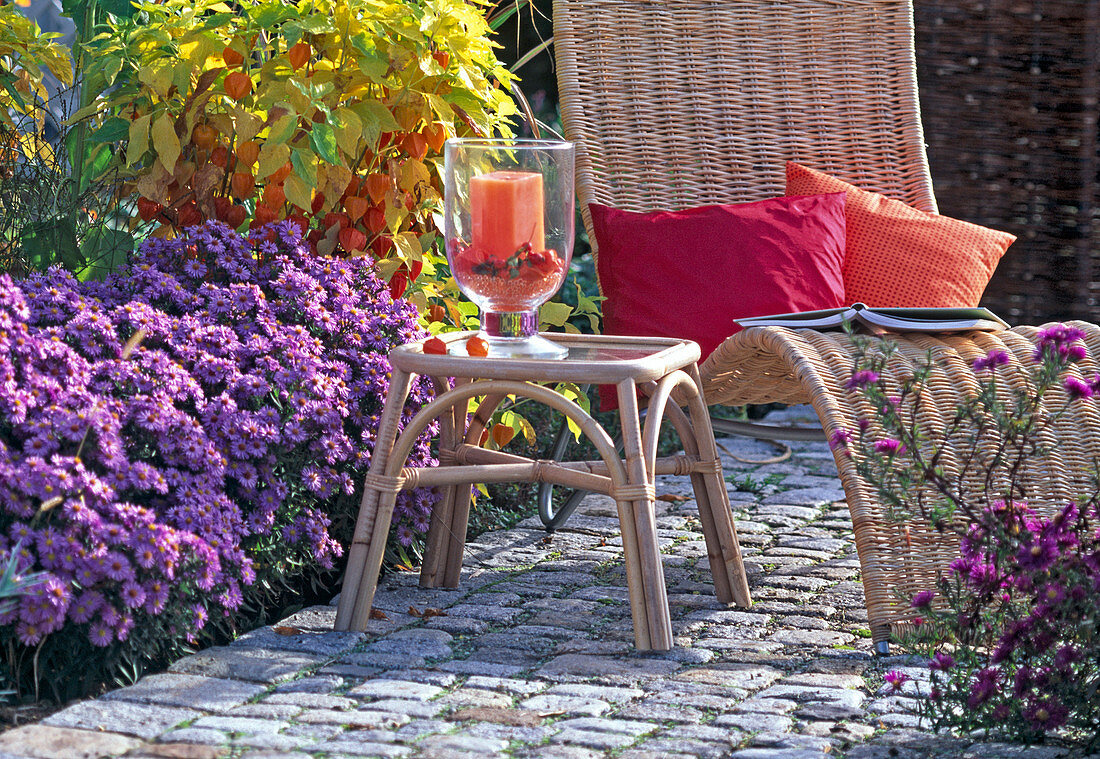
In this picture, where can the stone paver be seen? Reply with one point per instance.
(533, 658)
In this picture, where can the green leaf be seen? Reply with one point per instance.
(217, 20)
(111, 67)
(372, 63)
(46, 243)
(427, 240)
(283, 129)
(118, 8)
(272, 14)
(100, 159)
(555, 314)
(373, 111)
(113, 129)
(105, 250)
(75, 9)
(20, 103)
(323, 139)
(305, 165)
(497, 19)
(314, 91)
(317, 23)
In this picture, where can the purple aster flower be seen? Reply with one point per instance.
(1037, 555)
(984, 686)
(861, 379)
(941, 662)
(133, 595)
(991, 360)
(1060, 340)
(1046, 714)
(100, 634)
(896, 679)
(161, 423)
(923, 599)
(405, 535)
(889, 447)
(840, 439)
(1077, 389)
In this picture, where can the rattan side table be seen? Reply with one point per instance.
(661, 368)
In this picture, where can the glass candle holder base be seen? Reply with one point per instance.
(514, 334)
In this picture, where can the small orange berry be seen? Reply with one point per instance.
(476, 346)
(435, 346)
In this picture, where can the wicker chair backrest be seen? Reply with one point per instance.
(679, 103)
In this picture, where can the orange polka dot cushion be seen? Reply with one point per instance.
(901, 256)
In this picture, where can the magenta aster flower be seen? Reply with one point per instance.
(889, 447)
(861, 379)
(991, 360)
(896, 679)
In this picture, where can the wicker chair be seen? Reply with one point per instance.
(679, 103)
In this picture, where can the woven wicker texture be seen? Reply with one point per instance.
(1009, 95)
(898, 557)
(676, 103)
(679, 103)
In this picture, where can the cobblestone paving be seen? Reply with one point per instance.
(533, 656)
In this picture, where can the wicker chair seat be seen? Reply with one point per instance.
(899, 557)
(679, 103)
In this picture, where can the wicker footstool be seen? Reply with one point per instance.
(661, 369)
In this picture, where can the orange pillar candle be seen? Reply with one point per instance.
(506, 212)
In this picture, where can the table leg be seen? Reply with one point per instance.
(373, 522)
(452, 430)
(447, 538)
(723, 549)
(645, 576)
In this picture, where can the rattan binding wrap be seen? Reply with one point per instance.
(899, 557)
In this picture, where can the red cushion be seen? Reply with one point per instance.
(901, 256)
(690, 273)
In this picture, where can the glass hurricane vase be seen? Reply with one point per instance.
(509, 225)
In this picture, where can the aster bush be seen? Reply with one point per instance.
(184, 436)
(1010, 630)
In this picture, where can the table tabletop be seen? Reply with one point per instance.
(601, 359)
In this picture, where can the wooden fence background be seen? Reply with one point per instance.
(1009, 97)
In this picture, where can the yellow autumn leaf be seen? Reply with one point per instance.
(246, 124)
(283, 128)
(334, 181)
(154, 184)
(158, 77)
(418, 299)
(412, 173)
(395, 217)
(198, 48)
(166, 142)
(386, 267)
(298, 191)
(408, 246)
(556, 314)
(272, 157)
(139, 138)
(349, 131)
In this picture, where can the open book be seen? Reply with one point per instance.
(880, 320)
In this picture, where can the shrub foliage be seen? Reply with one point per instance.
(1010, 630)
(182, 434)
